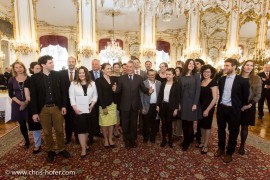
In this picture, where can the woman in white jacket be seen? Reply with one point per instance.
(83, 86)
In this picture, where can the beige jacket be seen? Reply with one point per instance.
(255, 90)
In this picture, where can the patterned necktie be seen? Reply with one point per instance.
(70, 76)
(130, 77)
(96, 74)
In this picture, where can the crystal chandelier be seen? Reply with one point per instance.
(163, 9)
(113, 50)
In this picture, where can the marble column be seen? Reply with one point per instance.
(233, 29)
(148, 38)
(87, 31)
(24, 47)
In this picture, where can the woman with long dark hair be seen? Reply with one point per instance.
(168, 105)
(249, 111)
(83, 86)
(190, 87)
(35, 127)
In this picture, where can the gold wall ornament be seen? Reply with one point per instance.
(23, 47)
(260, 58)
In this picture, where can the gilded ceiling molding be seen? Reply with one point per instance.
(248, 17)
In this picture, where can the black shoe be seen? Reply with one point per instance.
(83, 156)
(106, 147)
(170, 144)
(98, 135)
(112, 145)
(26, 145)
(133, 144)
(163, 143)
(37, 151)
(127, 145)
(184, 148)
(51, 155)
(77, 141)
(65, 154)
(241, 150)
(145, 140)
(67, 142)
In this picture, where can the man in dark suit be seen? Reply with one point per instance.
(130, 85)
(138, 70)
(67, 76)
(95, 73)
(265, 90)
(7, 74)
(234, 92)
(48, 103)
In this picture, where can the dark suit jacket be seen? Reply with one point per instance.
(38, 91)
(130, 90)
(267, 81)
(65, 78)
(174, 97)
(240, 91)
(92, 74)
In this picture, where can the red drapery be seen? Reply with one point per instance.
(103, 43)
(53, 40)
(163, 45)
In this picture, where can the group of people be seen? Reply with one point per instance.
(121, 102)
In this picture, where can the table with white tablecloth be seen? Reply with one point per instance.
(5, 105)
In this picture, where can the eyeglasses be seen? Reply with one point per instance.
(206, 71)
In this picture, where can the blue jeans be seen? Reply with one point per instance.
(37, 137)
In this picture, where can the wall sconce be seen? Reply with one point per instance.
(86, 48)
(22, 46)
(148, 50)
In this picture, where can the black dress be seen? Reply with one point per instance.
(33, 126)
(160, 78)
(205, 99)
(248, 116)
(82, 121)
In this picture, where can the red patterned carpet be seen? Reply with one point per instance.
(145, 162)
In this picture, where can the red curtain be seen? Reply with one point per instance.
(53, 40)
(163, 45)
(103, 43)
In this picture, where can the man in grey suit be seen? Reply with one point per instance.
(138, 70)
(130, 85)
(149, 104)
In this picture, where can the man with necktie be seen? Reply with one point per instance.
(265, 90)
(67, 76)
(95, 73)
(130, 86)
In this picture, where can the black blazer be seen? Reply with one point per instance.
(174, 97)
(130, 89)
(267, 81)
(65, 78)
(92, 74)
(38, 91)
(240, 91)
(105, 93)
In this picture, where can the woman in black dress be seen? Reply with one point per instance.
(19, 102)
(161, 75)
(208, 99)
(83, 86)
(35, 127)
(249, 111)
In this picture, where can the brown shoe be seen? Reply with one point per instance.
(227, 158)
(219, 153)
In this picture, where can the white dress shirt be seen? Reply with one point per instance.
(153, 97)
(227, 92)
(167, 90)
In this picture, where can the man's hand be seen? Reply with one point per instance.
(35, 118)
(194, 107)
(157, 108)
(151, 90)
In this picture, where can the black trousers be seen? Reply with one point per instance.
(188, 132)
(166, 119)
(231, 116)
(24, 130)
(95, 120)
(265, 95)
(129, 125)
(150, 123)
(69, 123)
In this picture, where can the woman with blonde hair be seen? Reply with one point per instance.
(249, 111)
(19, 102)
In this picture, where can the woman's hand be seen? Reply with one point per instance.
(194, 107)
(91, 106)
(205, 113)
(157, 108)
(77, 111)
(175, 112)
(105, 111)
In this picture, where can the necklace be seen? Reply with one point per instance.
(21, 86)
